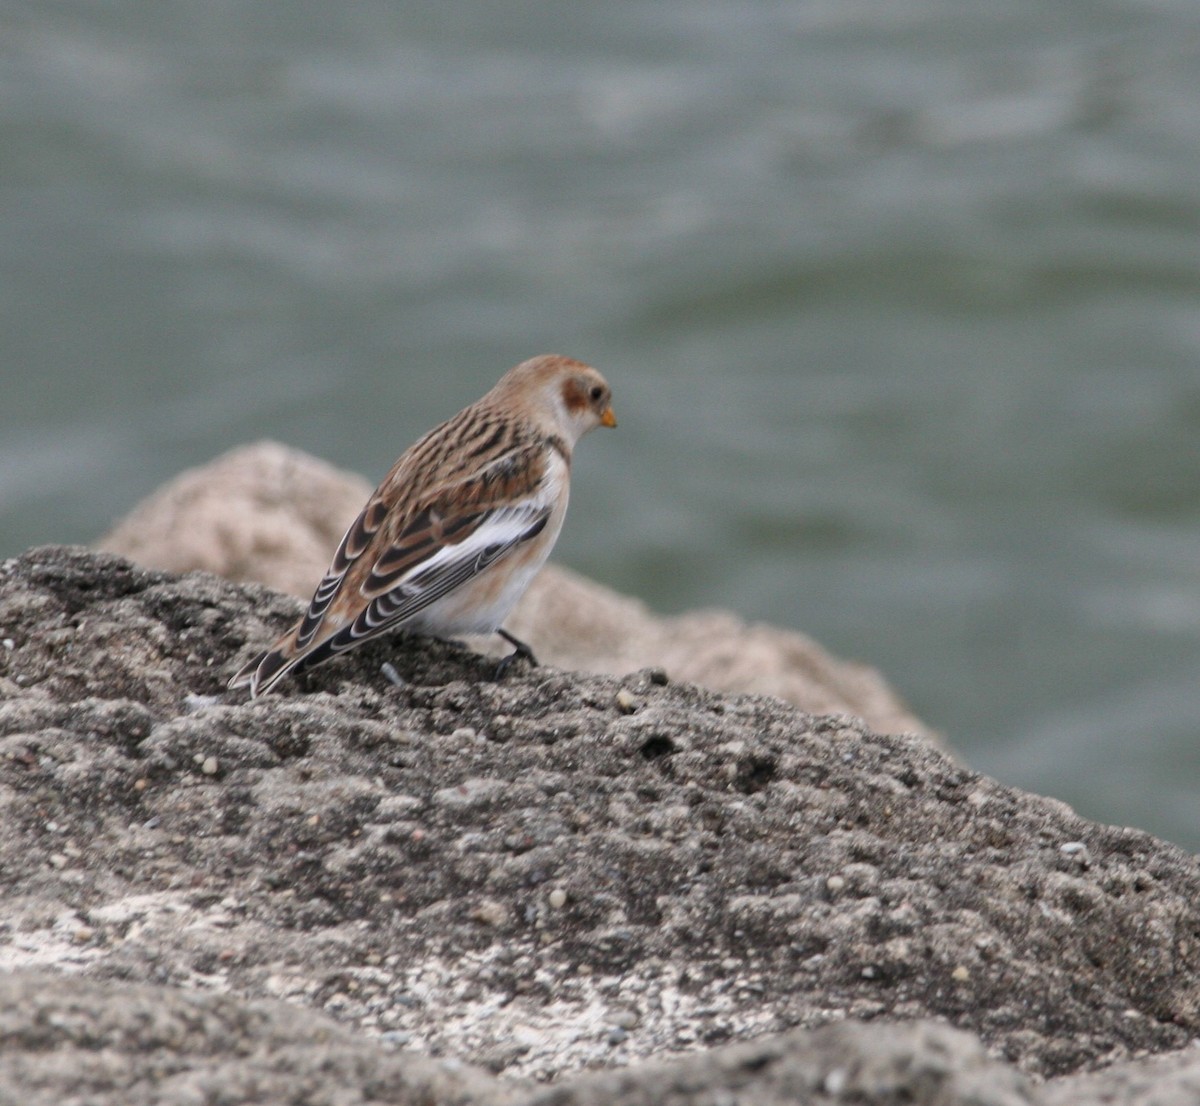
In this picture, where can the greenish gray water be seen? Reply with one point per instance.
(900, 301)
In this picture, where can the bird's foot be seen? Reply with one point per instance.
(520, 650)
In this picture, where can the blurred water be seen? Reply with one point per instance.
(900, 300)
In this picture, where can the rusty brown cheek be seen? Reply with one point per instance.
(575, 397)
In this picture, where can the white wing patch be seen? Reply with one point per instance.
(502, 528)
(448, 569)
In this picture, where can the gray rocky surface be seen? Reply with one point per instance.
(549, 877)
(69, 1041)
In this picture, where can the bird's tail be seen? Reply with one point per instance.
(262, 672)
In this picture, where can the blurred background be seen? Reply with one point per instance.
(900, 301)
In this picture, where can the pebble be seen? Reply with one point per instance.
(626, 1019)
(627, 702)
(209, 766)
(1077, 851)
(557, 898)
(835, 884)
(960, 974)
(490, 913)
(390, 674)
(835, 1082)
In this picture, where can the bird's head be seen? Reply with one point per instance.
(572, 395)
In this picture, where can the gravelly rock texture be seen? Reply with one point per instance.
(548, 874)
(69, 1041)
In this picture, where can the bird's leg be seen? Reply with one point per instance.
(520, 649)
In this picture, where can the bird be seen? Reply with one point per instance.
(459, 526)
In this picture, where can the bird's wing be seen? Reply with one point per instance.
(356, 541)
(395, 596)
(393, 564)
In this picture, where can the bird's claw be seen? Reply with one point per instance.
(520, 651)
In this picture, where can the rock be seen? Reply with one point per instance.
(1162, 1081)
(72, 1040)
(916, 1062)
(261, 514)
(577, 624)
(386, 855)
(119, 1044)
(68, 1040)
(272, 515)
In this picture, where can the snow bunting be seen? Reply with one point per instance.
(459, 527)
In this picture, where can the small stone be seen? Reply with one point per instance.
(83, 935)
(627, 702)
(960, 974)
(835, 1082)
(390, 674)
(1076, 851)
(464, 733)
(490, 913)
(835, 884)
(626, 1019)
(209, 766)
(141, 783)
(557, 898)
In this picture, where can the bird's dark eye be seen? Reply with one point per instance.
(597, 391)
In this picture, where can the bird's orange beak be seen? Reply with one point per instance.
(608, 418)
